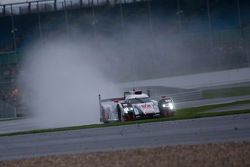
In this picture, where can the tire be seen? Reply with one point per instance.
(120, 117)
(131, 116)
(119, 113)
(165, 113)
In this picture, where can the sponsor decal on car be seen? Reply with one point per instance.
(146, 108)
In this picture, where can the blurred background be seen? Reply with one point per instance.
(130, 40)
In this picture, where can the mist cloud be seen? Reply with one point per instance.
(63, 73)
(60, 81)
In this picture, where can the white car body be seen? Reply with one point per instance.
(133, 105)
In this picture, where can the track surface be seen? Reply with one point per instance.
(204, 130)
(32, 124)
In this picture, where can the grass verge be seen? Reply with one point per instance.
(226, 92)
(197, 112)
(188, 113)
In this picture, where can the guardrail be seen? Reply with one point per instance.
(182, 96)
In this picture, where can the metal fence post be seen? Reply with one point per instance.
(179, 12)
(94, 18)
(66, 17)
(39, 20)
(13, 29)
(243, 40)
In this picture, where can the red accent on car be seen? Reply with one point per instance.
(144, 106)
(116, 100)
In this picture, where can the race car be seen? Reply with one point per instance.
(134, 105)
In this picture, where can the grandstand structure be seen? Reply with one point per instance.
(212, 33)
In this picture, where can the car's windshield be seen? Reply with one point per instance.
(138, 100)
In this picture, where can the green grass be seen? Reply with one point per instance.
(198, 111)
(226, 92)
(188, 113)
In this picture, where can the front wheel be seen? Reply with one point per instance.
(119, 114)
(121, 118)
(165, 113)
(131, 116)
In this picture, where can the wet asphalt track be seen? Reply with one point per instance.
(204, 130)
(27, 124)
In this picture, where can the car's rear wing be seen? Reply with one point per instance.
(103, 103)
(136, 92)
(117, 99)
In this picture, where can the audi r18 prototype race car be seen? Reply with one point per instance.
(134, 105)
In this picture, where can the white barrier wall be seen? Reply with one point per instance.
(197, 80)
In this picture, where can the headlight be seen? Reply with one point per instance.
(164, 105)
(126, 110)
(171, 106)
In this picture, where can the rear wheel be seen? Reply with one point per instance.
(121, 118)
